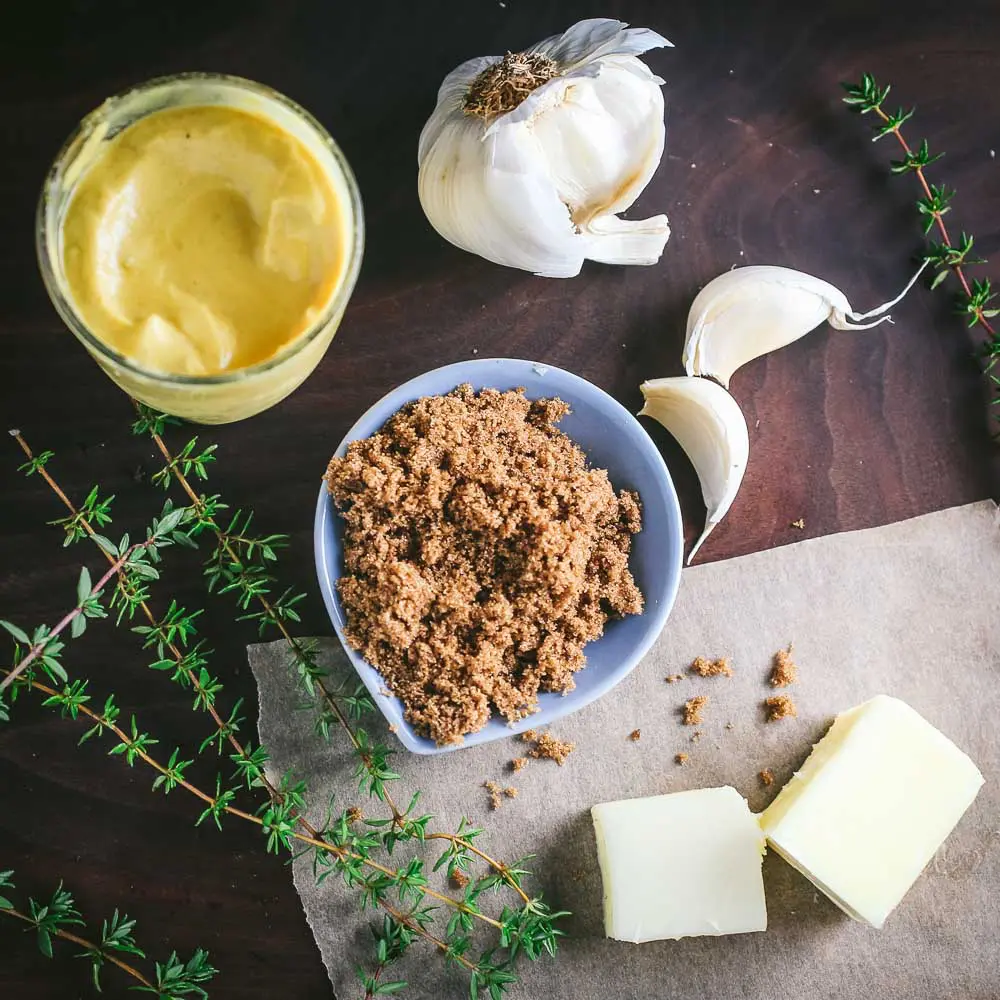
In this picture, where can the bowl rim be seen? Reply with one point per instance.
(325, 517)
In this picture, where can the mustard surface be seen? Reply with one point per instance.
(202, 240)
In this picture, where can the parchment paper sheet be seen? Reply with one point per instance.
(911, 609)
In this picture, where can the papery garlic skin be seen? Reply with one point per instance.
(751, 311)
(539, 187)
(709, 425)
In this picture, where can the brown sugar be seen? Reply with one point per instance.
(693, 708)
(704, 667)
(496, 794)
(766, 776)
(510, 792)
(674, 678)
(780, 706)
(800, 524)
(681, 758)
(549, 748)
(529, 736)
(481, 554)
(784, 671)
(458, 878)
(695, 736)
(635, 735)
(518, 763)
(355, 815)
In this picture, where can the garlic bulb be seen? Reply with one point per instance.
(528, 157)
(709, 425)
(751, 311)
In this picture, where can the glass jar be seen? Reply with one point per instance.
(231, 395)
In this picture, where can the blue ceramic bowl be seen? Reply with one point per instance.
(612, 439)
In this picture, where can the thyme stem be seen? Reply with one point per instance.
(84, 943)
(67, 619)
(938, 216)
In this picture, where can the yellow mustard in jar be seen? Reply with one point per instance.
(202, 240)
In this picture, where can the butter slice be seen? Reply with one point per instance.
(876, 798)
(680, 865)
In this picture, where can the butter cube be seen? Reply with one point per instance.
(876, 798)
(680, 865)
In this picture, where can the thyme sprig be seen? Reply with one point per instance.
(947, 256)
(131, 562)
(173, 630)
(240, 563)
(172, 980)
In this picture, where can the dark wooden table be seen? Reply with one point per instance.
(764, 165)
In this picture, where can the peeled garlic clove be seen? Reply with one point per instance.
(528, 158)
(751, 311)
(709, 425)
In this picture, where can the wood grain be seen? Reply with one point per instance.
(763, 166)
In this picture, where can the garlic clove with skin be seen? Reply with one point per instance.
(528, 158)
(709, 425)
(754, 310)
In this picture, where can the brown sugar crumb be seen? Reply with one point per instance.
(549, 748)
(510, 792)
(458, 878)
(729, 725)
(693, 709)
(780, 707)
(784, 671)
(766, 776)
(355, 815)
(481, 555)
(681, 758)
(635, 735)
(695, 737)
(674, 678)
(496, 793)
(800, 524)
(704, 667)
(518, 763)
(394, 729)
(529, 736)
